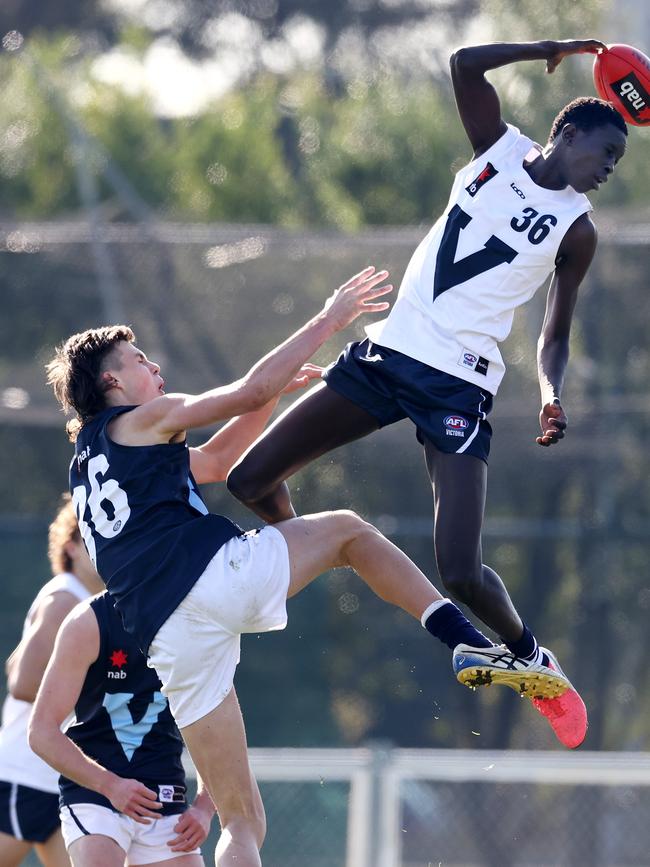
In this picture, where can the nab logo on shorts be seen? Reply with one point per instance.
(117, 658)
(486, 175)
(456, 425)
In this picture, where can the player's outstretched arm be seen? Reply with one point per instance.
(27, 663)
(213, 459)
(75, 650)
(477, 100)
(574, 257)
(166, 417)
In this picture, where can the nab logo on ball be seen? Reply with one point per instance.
(456, 425)
(635, 95)
(622, 77)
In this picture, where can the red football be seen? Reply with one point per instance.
(622, 77)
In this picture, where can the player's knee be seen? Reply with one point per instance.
(244, 820)
(460, 580)
(243, 483)
(350, 528)
(350, 525)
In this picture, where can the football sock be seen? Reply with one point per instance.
(527, 648)
(448, 623)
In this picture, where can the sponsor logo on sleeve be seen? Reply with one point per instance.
(481, 179)
(473, 361)
(455, 425)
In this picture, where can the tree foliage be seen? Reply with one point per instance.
(189, 22)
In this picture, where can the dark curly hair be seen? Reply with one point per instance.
(74, 372)
(587, 113)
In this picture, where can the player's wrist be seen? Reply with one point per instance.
(107, 784)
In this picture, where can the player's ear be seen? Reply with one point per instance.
(568, 133)
(107, 381)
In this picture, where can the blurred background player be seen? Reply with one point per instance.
(516, 214)
(29, 793)
(123, 792)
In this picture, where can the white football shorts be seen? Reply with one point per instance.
(243, 589)
(143, 844)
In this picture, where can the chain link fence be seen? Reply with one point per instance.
(453, 808)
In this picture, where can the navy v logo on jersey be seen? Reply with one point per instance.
(448, 271)
(129, 731)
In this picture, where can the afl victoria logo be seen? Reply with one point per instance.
(456, 422)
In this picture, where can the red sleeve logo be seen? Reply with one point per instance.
(482, 178)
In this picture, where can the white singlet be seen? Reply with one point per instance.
(496, 242)
(18, 764)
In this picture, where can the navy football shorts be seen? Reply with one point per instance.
(446, 410)
(28, 814)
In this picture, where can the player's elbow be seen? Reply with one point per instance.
(36, 735)
(254, 394)
(20, 689)
(460, 59)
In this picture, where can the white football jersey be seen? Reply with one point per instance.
(18, 764)
(496, 242)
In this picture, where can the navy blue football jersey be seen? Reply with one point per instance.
(123, 721)
(143, 522)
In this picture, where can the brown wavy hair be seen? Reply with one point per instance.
(63, 529)
(74, 372)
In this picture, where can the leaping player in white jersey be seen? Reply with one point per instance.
(517, 213)
(29, 789)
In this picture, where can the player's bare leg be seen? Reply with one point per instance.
(459, 487)
(459, 490)
(317, 423)
(12, 851)
(180, 861)
(96, 849)
(53, 853)
(217, 744)
(324, 541)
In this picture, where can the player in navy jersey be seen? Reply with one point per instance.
(123, 792)
(517, 213)
(186, 583)
(29, 802)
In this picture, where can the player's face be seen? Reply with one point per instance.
(593, 155)
(139, 379)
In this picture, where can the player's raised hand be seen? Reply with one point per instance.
(561, 49)
(305, 375)
(134, 800)
(553, 422)
(191, 830)
(358, 296)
